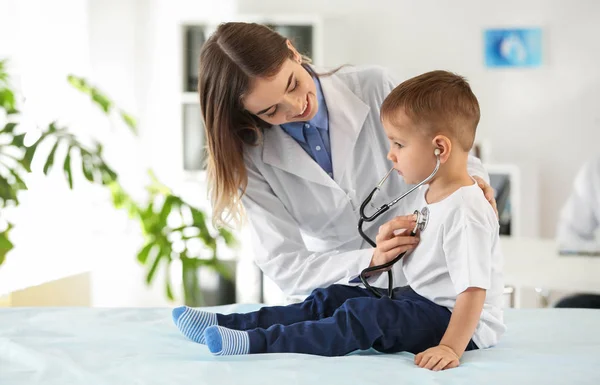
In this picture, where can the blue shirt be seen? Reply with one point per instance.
(313, 135)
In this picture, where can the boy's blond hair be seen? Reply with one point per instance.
(440, 102)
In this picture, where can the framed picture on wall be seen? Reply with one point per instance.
(513, 47)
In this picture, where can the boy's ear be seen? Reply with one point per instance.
(444, 144)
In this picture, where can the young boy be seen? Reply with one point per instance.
(454, 300)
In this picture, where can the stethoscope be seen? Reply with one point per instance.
(422, 220)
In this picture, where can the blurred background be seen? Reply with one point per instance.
(534, 66)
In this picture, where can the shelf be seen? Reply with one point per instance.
(190, 98)
(194, 141)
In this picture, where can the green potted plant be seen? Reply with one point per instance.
(163, 242)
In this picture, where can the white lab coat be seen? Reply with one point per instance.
(579, 218)
(304, 224)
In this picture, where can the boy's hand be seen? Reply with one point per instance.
(488, 191)
(440, 357)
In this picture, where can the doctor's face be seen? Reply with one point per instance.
(289, 96)
(411, 150)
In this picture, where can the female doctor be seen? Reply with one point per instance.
(297, 151)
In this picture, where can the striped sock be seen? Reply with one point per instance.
(193, 322)
(227, 342)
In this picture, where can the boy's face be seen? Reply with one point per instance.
(411, 151)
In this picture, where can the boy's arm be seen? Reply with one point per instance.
(461, 328)
(464, 320)
(467, 245)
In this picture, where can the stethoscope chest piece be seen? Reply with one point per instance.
(422, 218)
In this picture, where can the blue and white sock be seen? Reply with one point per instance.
(227, 342)
(193, 322)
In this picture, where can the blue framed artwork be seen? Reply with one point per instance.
(520, 47)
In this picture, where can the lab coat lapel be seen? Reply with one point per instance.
(347, 114)
(282, 151)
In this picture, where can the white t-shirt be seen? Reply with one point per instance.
(459, 249)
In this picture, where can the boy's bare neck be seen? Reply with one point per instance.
(451, 176)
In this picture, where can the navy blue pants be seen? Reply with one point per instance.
(340, 319)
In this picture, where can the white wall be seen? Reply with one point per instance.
(546, 118)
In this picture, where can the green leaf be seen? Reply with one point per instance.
(168, 289)
(87, 169)
(152, 270)
(87, 165)
(198, 217)
(52, 128)
(133, 210)
(8, 128)
(103, 102)
(5, 245)
(228, 237)
(163, 252)
(119, 197)
(129, 120)
(148, 213)
(67, 168)
(165, 210)
(108, 175)
(7, 192)
(79, 83)
(142, 256)
(7, 99)
(28, 157)
(200, 222)
(50, 160)
(19, 182)
(148, 218)
(18, 140)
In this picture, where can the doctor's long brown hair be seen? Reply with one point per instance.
(234, 55)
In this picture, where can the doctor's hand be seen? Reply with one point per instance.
(390, 242)
(488, 191)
